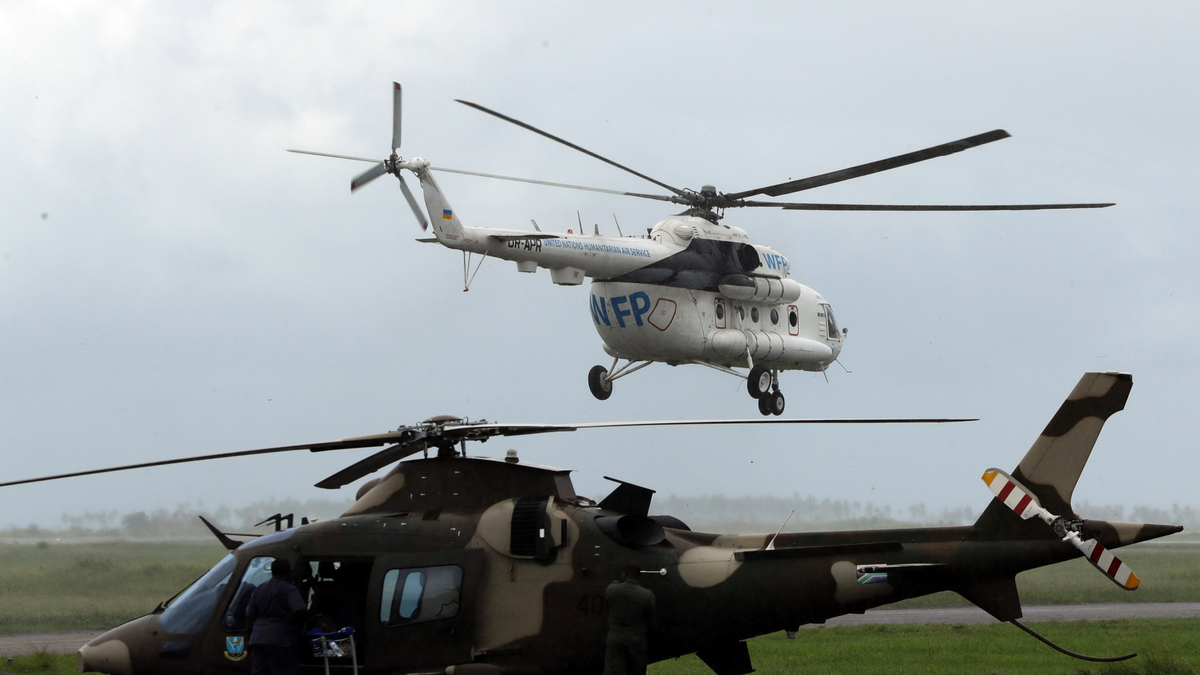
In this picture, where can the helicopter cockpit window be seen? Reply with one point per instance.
(256, 574)
(189, 613)
(748, 258)
(420, 594)
(831, 324)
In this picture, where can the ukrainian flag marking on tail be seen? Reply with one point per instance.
(447, 214)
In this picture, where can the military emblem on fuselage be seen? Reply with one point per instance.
(235, 648)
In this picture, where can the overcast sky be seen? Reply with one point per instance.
(173, 283)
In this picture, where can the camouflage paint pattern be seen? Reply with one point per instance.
(536, 559)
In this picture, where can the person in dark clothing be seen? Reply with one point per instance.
(275, 616)
(630, 615)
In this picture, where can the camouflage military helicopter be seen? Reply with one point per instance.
(477, 566)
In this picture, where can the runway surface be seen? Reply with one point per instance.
(67, 642)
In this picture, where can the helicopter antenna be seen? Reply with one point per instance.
(771, 544)
(619, 232)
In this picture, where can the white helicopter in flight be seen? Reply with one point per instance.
(691, 291)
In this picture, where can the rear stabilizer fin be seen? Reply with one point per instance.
(1051, 467)
(1053, 464)
(229, 544)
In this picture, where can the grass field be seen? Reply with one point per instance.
(1165, 647)
(52, 586)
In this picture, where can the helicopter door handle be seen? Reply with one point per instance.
(661, 572)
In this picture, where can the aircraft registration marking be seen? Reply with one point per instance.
(534, 245)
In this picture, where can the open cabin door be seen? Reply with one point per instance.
(421, 610)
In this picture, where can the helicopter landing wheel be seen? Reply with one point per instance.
(775, 402)
(599, 383)
(758, 383)
(764, 407)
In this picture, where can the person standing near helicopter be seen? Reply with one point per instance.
(275, 616)
(631, 610)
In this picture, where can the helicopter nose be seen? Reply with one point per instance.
(111, 652)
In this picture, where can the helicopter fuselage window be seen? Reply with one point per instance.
(190, 612)
(257, 573)
(420, 594)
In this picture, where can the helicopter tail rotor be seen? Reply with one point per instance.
(392, 164)
(1022, 502)
(412, 203)
(368, 176)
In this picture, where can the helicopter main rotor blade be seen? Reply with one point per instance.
(346, 443)
(326, 154)
(527, 429)
(371, 464)
(368, 176)
(571, 145)
(418, 437)
(793, 206)
(569, 186)
(874, 167)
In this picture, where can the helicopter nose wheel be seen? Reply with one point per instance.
(599, 383)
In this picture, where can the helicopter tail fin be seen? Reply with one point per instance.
(1051, 467)
(446, 226)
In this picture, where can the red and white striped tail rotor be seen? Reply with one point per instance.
(1015, 496)
(1106, 562)
(1024, 504)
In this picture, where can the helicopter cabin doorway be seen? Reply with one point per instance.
(334, 590)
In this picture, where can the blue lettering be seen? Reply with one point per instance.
(640, 303)
(599, 311)
(621, 313)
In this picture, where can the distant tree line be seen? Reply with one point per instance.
(709, 513)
